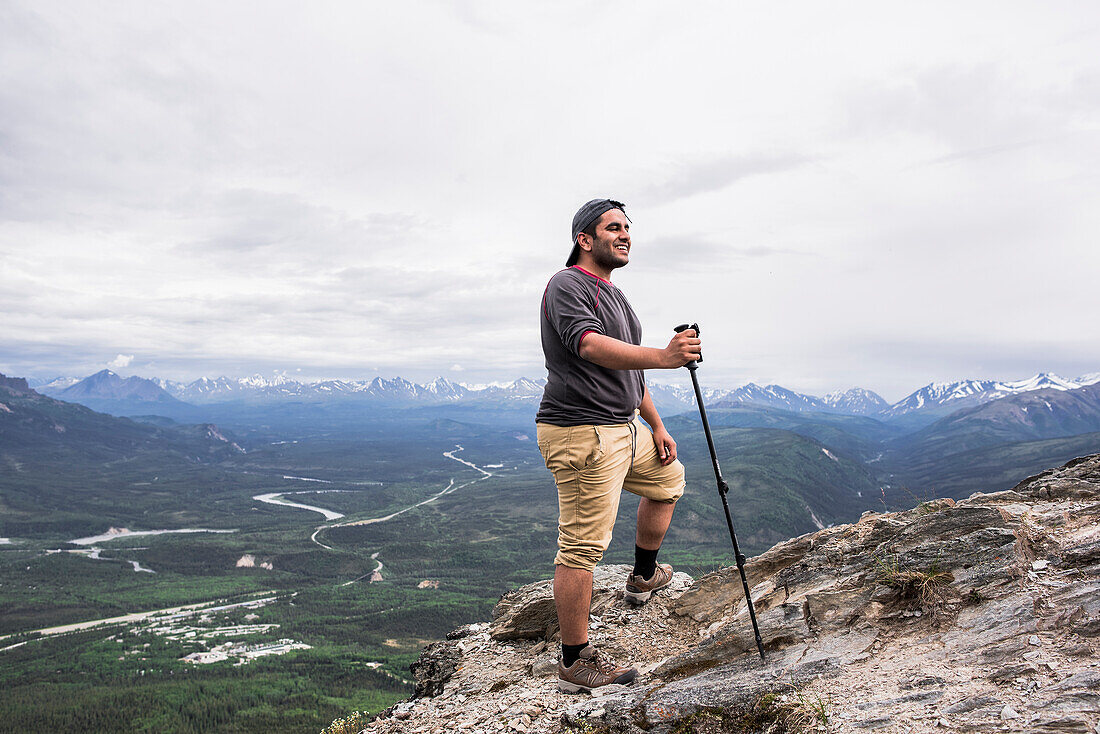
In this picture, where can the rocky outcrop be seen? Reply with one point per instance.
(15, 385)
(980, 615)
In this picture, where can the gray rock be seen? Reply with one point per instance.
(972, 703)
(544, 666)
(997, 630)
(1083, 553)
(927, 681)
(1088, 679)
(1077, 607)
(1071, 702)
(895, 703)
(841, 609)
(1066, 725)
(434, 668)
(721, 590)
(1013, 671)
(528, 613)
(466, 630)
(1079, 650)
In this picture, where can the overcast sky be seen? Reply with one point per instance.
(876, 194)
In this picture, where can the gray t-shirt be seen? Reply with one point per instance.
(579, 392)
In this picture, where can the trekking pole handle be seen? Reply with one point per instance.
(693, 364)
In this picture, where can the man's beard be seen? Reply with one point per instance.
(606, 257)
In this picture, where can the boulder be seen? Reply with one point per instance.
(434, 667)
(528, 613)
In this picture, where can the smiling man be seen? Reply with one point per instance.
(590, 436)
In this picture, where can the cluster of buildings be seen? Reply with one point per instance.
(244, 653)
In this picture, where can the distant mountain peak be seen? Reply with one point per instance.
(949, 396)
(104, 374)
(1090, 379)
(856, 401)
(258, 380)
(106, 385)
(771, 396)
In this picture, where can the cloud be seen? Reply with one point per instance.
(702, 250)
(280, 225)
(121, 361)
(710, 173)
(975, 110)
(221, 189)
(979, 153)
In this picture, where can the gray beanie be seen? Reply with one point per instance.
(587, 214)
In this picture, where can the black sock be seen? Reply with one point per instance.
(570, 653)
(645, 562)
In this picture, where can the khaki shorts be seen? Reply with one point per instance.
(591, 466)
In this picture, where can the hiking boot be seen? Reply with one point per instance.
(592, 670)
(638, 590)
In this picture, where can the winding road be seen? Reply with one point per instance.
(277, 498)
(376, 574)
(451, 487)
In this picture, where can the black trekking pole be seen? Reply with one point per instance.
(723, 489)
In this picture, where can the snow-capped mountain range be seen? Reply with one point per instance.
(857, 401)
(205, 390)
(935, 398)
(951, 396)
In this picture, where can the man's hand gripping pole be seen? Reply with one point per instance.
(723, 488)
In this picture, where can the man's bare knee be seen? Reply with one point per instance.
(578, 556)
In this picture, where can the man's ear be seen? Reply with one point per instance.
(584, 241)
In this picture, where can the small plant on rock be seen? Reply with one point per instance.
(811, 713)
(780, 713)
(934, 505)
(927, 587)
(353, 723)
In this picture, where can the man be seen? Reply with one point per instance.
(590, 436)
